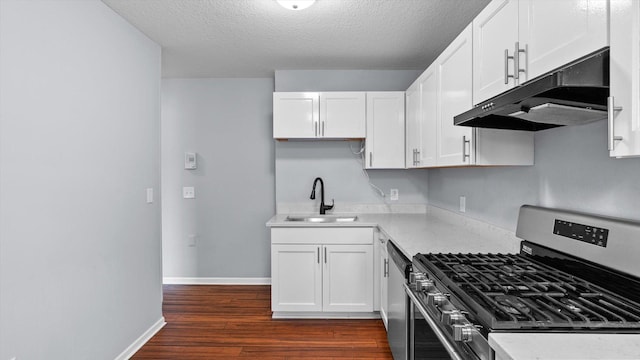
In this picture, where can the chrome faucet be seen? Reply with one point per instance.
(323, 207)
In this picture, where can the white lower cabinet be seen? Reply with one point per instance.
(322, 270)
(383, 273)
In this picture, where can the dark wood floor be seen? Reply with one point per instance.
(233, 322)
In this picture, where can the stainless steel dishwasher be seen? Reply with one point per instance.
(398, 303)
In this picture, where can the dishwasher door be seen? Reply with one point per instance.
(398, 301)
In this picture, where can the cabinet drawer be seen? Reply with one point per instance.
(324, 235)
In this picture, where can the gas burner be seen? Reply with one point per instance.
(512, 304)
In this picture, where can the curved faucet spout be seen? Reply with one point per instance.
(323, 207)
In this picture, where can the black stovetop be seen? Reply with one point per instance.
(516, 291)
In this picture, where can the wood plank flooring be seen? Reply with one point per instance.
(234, 322)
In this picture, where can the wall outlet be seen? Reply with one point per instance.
(189, 192)
(463, 203)
(394, 194)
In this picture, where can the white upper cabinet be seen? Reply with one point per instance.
(495, 32)
(553, 33)
(454, 65)
(385, 130)
(624, 100)
(518, 40)
(412, 124)
(342, 114)
(296, 115)
(309, 115)
(445, 90)
(422, 104)
(427, 155)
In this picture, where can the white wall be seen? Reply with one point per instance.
(80, 261)
(298, 163)
(228, 123)
(572, 171)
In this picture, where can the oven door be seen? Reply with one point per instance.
(426, 339)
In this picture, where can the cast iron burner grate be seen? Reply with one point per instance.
(507, 291)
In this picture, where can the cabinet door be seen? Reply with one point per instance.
(495, 30)
(455, 143)
(342, 114)
(554, 33)
(296, 278)
(348, 278)
(427, 155)
(295, 115)
(384, 276)
(412, 136)
(385, 130)
(625, 79)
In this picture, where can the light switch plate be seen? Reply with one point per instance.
(393, 194)
(189, 192)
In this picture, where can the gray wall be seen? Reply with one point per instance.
(80, 261)
(299, 162)
(572, 171)
(228, 123)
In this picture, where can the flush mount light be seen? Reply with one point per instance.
(296, 4)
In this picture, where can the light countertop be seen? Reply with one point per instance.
(432, 232)
(554, 346)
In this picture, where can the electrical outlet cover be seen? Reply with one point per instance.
(188, 192)
(394, 194)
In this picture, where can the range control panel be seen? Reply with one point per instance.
(586, 233)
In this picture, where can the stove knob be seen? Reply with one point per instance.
(436, 299)
(450, 317)
(424, 284)
(463, 333)
(415, 277)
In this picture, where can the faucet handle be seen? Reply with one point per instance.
(329, 207)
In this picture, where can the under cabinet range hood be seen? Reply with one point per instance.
(573, 94)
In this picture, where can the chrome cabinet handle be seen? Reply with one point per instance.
(325, 255)
(385, 272)
(316, 125)
(516, 61)
(506, 66)
(370, 159)
(611, 109)
(318, 248)
(414, 157)
(417, 157)
(323, 128)
(464, 148)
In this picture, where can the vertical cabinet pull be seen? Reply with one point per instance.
(323, 128)
(316, 127)
(370, 159)
(464, 149)
(417, 157)
(325, 255)
(611, 109)
(516, 61)
(318, 248)
(506, 66)
(385, 272)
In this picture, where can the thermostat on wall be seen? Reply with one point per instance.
(190, 161)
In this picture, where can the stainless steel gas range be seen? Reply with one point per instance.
(574, 273)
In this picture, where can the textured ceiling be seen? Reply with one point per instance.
(252, 38)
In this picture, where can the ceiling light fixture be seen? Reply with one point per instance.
(296, 4)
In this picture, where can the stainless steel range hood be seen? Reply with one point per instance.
(574, 94)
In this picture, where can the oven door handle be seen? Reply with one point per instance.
(441, 336)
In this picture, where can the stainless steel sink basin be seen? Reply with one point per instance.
(322, 219)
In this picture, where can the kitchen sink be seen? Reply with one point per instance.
(322, 219)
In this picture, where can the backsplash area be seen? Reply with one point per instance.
(572, 170)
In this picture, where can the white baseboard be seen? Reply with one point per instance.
(324, 315)
(146, 336)
(215, 281)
